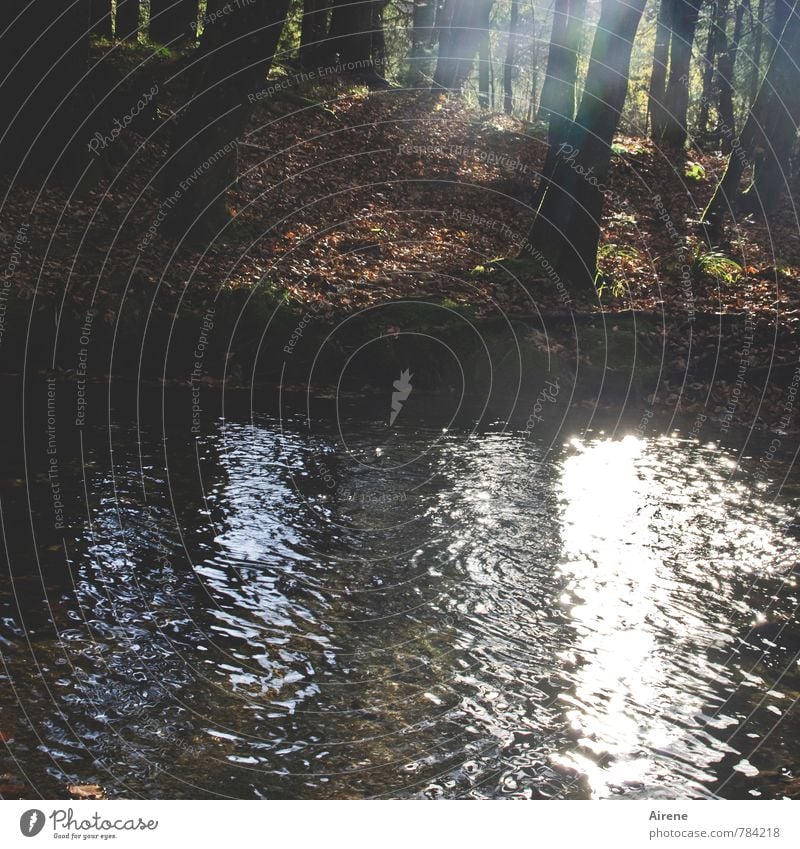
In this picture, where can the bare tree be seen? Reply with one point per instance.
(566, 230)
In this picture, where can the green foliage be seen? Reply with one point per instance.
(611, 251)
(459, 307)
(604, 281)
(716, 265)
(694, 171)
(609, 256)
(289, 42)
(634, 149)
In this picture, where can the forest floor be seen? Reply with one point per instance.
(348, 199)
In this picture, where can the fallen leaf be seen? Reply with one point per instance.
(86, 791)
(10, 786)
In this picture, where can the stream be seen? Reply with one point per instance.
(303, 602)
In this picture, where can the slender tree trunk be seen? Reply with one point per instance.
(758, 40)
(767, 137)
(658, 76)
(484, 66)
(492, 78)
(709, 58)
(511, 58)
(566, 230)
(444, 73)
(532, 105)
(557, 102)
(558, 88)
(772, 158)
(350, 41)
(102, 19)
(676, 99)
(559, 84)
(727, 63)
(463, 23)
(379, 56)
(235, 55)
(173, 21)
(43, 58)
(780, 14)
(424, 17)
(126, 24)
(313, 29)
(350, 35)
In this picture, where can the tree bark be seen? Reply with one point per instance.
(234, 58)
(424, 18)
(767, 137)
(772, 158)
(709, 58)
(558, 89)
(676, 99)
(566, 230)
(43, 59)
(726, 66)
(532, 105)
(511, 58)
(781, 10)
(313, 29)
(102, 20)
(379, 56)
(350, 40)
(758, 40)
(484, 66)
(173, 22)
(658, 76)
(463, 23)
(557, 103)
(126, 24)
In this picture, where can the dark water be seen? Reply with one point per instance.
(279, 607)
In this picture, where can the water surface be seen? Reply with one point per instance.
(286, 606)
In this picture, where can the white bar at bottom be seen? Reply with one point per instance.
(406, 824)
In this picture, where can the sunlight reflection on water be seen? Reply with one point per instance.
(489, 618)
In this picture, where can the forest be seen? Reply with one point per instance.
(600, 156)
(401, 399)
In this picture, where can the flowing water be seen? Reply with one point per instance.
(289, 605)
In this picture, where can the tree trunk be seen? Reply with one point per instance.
(350, 41)
(566, 230)
(767, 137)
(126, 24)
(758, 40)
(511, 58)
(709, 58)
(676, 99)
(772, 158)
(444, 72)
(101, 20)
(379, 57)
(463, 25)
(658, 76)
(424, 18)
(235, 55)
(173, 22)
(313, 29)
(727, 63)
(558, 89)
(484, 65)
(532, 105)
(780, 15)
(43, 58)
(557, 103)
